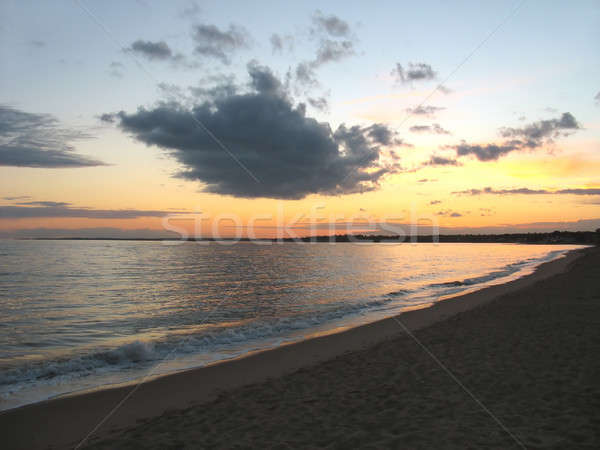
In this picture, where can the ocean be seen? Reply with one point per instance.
(79, 315)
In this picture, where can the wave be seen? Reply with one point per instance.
(78, 366)
(142, 354)
(505, 271)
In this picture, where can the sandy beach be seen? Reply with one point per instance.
(510, 366)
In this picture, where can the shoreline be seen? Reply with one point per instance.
(82, 411)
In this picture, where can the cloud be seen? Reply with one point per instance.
(212, 42)
(263, 80)
(381, 134)
(191, 11)
(335, 44)
(280, 43)
(151, 50)
(42, 203)
(424, 110)
(597, 98)
(527, 191)
(330, 24)
(488, 152)
(36, 43)
(305, 75)
(331, 51)
(328, 52)
(292, 155)
(425, 180)
(36, 140)
(210, 87)
(586, 191)
(18, 197)
(435, 128)
(435, 202)
(529, 137)
(63, 209)
(436, 160)
(543, 131)
(107, 118)
(88, 233)
(319, 103)
(414, 72)
(116, 69)
(448, 213)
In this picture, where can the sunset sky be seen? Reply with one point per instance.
(477, 117)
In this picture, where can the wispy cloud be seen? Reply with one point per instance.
(37, 140)
(424, 110)
(528, 191)
(435, 128)
(413, 72)
(448, 213)
(38, 209)
(528, 137)
(436, 160)
(212, 42)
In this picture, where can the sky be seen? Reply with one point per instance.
(226, 119)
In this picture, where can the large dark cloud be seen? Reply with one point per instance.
(528, 137)
(212, 42)
(527, 191)
(292, 155)
(63, 209)
(37, 140)
(414, 72)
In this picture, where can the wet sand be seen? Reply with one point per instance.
(509, 366)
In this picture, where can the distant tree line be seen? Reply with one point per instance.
(555, 237)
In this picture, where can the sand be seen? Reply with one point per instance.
(511, 366)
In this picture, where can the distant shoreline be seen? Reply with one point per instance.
(555, 237)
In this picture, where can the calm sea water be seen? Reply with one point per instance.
(76, 315)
